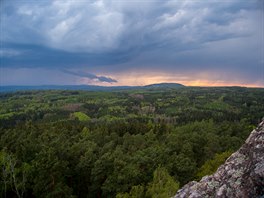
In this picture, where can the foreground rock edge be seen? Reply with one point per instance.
(242, 174)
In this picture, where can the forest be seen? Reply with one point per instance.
(120, 143)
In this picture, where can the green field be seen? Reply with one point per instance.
(130, 143)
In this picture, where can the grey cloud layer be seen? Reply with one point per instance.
(103, 26)
(120, 35)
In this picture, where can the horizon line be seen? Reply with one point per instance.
(42, 85)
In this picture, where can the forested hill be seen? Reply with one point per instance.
(122, 143)
(87, 87)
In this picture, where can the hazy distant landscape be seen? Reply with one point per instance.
(87, 87)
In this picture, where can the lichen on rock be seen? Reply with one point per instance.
(241, 176)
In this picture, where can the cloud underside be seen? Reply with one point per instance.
(105, 26)
(81, 38)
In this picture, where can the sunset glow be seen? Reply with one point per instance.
(135, 78)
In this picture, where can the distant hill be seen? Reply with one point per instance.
(86, 87)
(165, 85)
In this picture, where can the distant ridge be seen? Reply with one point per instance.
(12, 88)
(164, 85)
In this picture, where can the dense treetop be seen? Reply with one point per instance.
(130, 143)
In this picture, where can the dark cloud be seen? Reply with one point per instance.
(119, 36)
(91, 76)
(117, 26)
(29, 55)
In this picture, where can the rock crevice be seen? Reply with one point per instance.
(242, 175)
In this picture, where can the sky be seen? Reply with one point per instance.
(139, 42)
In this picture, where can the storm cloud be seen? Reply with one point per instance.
(109, 37)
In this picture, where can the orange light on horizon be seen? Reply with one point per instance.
(202, 79)
(220, 84)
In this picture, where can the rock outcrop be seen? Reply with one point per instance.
(241, 176)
